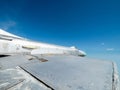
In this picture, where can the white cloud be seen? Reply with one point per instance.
(110, 49)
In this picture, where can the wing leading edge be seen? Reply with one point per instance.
(12, 44)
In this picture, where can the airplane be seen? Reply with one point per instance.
(12, 44)
(30, 65)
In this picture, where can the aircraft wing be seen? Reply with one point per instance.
(60, 72)
(8, 36)
(13, 44)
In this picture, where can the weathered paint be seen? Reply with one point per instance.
(62, 72)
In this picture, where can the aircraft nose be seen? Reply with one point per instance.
(82, 53)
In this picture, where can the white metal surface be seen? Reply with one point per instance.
(12, 44)
(61, 72)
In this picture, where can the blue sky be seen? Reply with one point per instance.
(90, 25)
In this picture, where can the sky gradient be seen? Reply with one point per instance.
(90, 25)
